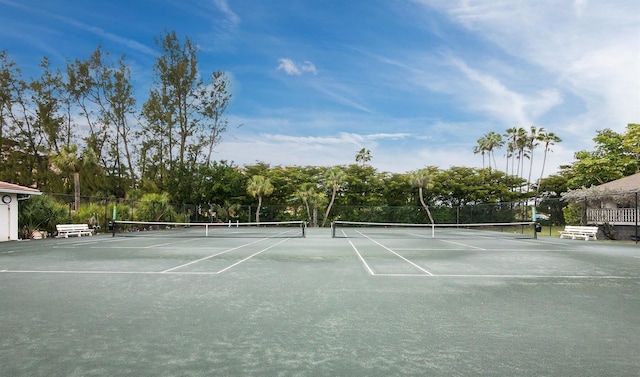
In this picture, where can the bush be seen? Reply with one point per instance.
(573, 214)
(42, 213)
(155, 207)
(92, 214)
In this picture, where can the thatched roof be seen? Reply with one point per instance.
(10, 188)
(626, 186)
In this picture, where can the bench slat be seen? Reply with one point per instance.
(66, 230)
(573, 232)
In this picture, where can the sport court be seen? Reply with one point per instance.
(361, 304)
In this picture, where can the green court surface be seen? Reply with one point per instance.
(319, 306)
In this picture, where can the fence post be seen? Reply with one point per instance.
(636, 234)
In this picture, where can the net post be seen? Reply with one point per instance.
(304, 228)
(433, 230)
(333, 229)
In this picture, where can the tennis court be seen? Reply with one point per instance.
(369, 304)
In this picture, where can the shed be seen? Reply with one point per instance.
(10, 194)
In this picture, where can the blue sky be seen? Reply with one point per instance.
(416, 82)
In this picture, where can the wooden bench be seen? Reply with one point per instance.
(573, 232)
(66, 230)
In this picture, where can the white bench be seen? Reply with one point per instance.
(573, 232)
(66, 230)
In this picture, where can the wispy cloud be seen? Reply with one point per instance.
(130, 43)
(126, 42)
(490, 95)
(295, 69)
(587, 49)
(231, 16)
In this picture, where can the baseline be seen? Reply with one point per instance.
(433, 276)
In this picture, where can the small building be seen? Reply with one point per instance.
(614, 202)
(612, 206)
(10, 195)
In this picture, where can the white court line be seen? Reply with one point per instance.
(100, 240)
(252, 255)
(494, 276)
(576, 277)
(214, 255)
(82, 243)
(464, 245)
(396, 254)
(80, 272)
(360, 256)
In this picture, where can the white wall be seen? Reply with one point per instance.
(9, 218)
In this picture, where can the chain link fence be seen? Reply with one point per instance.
(98, 212)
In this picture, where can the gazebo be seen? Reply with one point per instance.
(10, 194)
(611, 204)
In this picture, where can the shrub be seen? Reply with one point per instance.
(43, 213)
(573, 214)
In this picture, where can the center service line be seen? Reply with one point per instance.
(252, 255)
(213, 255)
(359, 255)
(396, 254)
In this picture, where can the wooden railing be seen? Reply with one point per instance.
(612, 216)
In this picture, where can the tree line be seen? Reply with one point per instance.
(86, 118)
(520, 145)
(81, 131)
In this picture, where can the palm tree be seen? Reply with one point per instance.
(493, 141)
(487, 145)
(548, 139)
(521, 147)
(311, 200)
(421, 178)
(481, 149)
(259, 186)
(304, 194)
(512, 136)
(335, 178)
(531, 143)
(226, 210)
(363, 156)
(316, 200)
(68, 159)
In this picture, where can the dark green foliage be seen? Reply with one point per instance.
(42, 212)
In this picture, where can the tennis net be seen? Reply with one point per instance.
(356, 229)
(284, 229)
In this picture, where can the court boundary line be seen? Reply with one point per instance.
(366, 265)
(433, 276)
(252, 255)
(396, 254)
(464, 245)
(220, 253)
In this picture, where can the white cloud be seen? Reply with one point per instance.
(288, 66)
(307, 66)
(587, 49)
(223, 6)
(291, 68)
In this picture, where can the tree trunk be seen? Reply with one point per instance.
(76, 189)
(326, 215)
(424, 205)
(258, 209)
